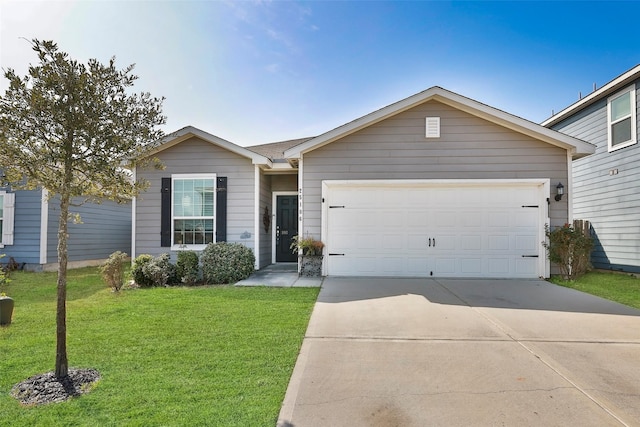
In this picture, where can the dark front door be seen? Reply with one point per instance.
(286, 227)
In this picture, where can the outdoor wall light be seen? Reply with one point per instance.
(559, 191)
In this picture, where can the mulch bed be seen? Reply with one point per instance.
(47, 388)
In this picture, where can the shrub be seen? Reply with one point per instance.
(570, 249)
(307, 245)
(188, 267)
(160, 272)
(113, 270)
(4, 276)
(137, 271)
(224, 262)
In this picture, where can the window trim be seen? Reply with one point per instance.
(632, 115)
(174, 178)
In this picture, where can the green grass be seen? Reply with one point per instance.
(622, 288)
(168, 356)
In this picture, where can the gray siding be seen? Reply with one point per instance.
(105, 228)
(396, 148)
(265, 234)
(610, 202)
(26, 231)
(197, 156)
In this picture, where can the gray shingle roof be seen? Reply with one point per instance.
(275, 150)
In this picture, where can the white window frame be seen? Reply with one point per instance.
(192, 247)
(8, 202)
(632, 115)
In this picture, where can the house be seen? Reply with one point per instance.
(436, 184)
(29, 229)
(605, 184)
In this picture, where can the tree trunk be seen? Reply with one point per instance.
(62, 365)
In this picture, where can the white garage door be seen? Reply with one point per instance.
(439, 229)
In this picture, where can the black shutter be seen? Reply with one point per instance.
(165, 213)
(221, 209)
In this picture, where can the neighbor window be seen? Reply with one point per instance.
(621, 113)
(193, 202)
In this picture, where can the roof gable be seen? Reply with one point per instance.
(575, 146)
(190, 131)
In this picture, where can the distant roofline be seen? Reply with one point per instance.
(618, 83)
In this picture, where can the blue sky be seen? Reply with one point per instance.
(254, 72)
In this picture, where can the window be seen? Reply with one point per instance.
(193, 208)
(621, 114)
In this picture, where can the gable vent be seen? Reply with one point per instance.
(432, 127)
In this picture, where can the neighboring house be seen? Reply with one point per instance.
(434, 185)
(29, 224)
(605, 184)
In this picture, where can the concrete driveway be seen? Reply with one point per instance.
(444, 352)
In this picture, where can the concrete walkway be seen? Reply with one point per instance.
(427, 352)
(284, 275)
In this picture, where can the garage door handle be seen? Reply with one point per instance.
(434, 242)
(429, 241)
(336, 254)
(529, 256)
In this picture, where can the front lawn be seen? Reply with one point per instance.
(622, 288)
(168, 356)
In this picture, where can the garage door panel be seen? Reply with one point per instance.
(444, 231)
(526, 243)
(471, 266)
(498, 267)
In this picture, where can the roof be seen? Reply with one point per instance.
(275, 150)
(576, 147)
(614, 85)
(190, 131)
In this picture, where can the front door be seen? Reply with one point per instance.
(286, 227)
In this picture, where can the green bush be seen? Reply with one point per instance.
(570, 249)
(160, 272)
(188, 267)
(113, 270)
(3, 274)
(224, 262)
(137, 271)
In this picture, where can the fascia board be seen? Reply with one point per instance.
(575, 146)
(361, 123)
(190, 131)
(615, 84)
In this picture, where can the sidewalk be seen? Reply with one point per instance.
(282, 275)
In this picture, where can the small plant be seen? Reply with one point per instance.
(224, 262)
(570, 249)
(113, 270)
(137, 271)
(160, 272)
(307, 245)
(188, 267)
(4, 277)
